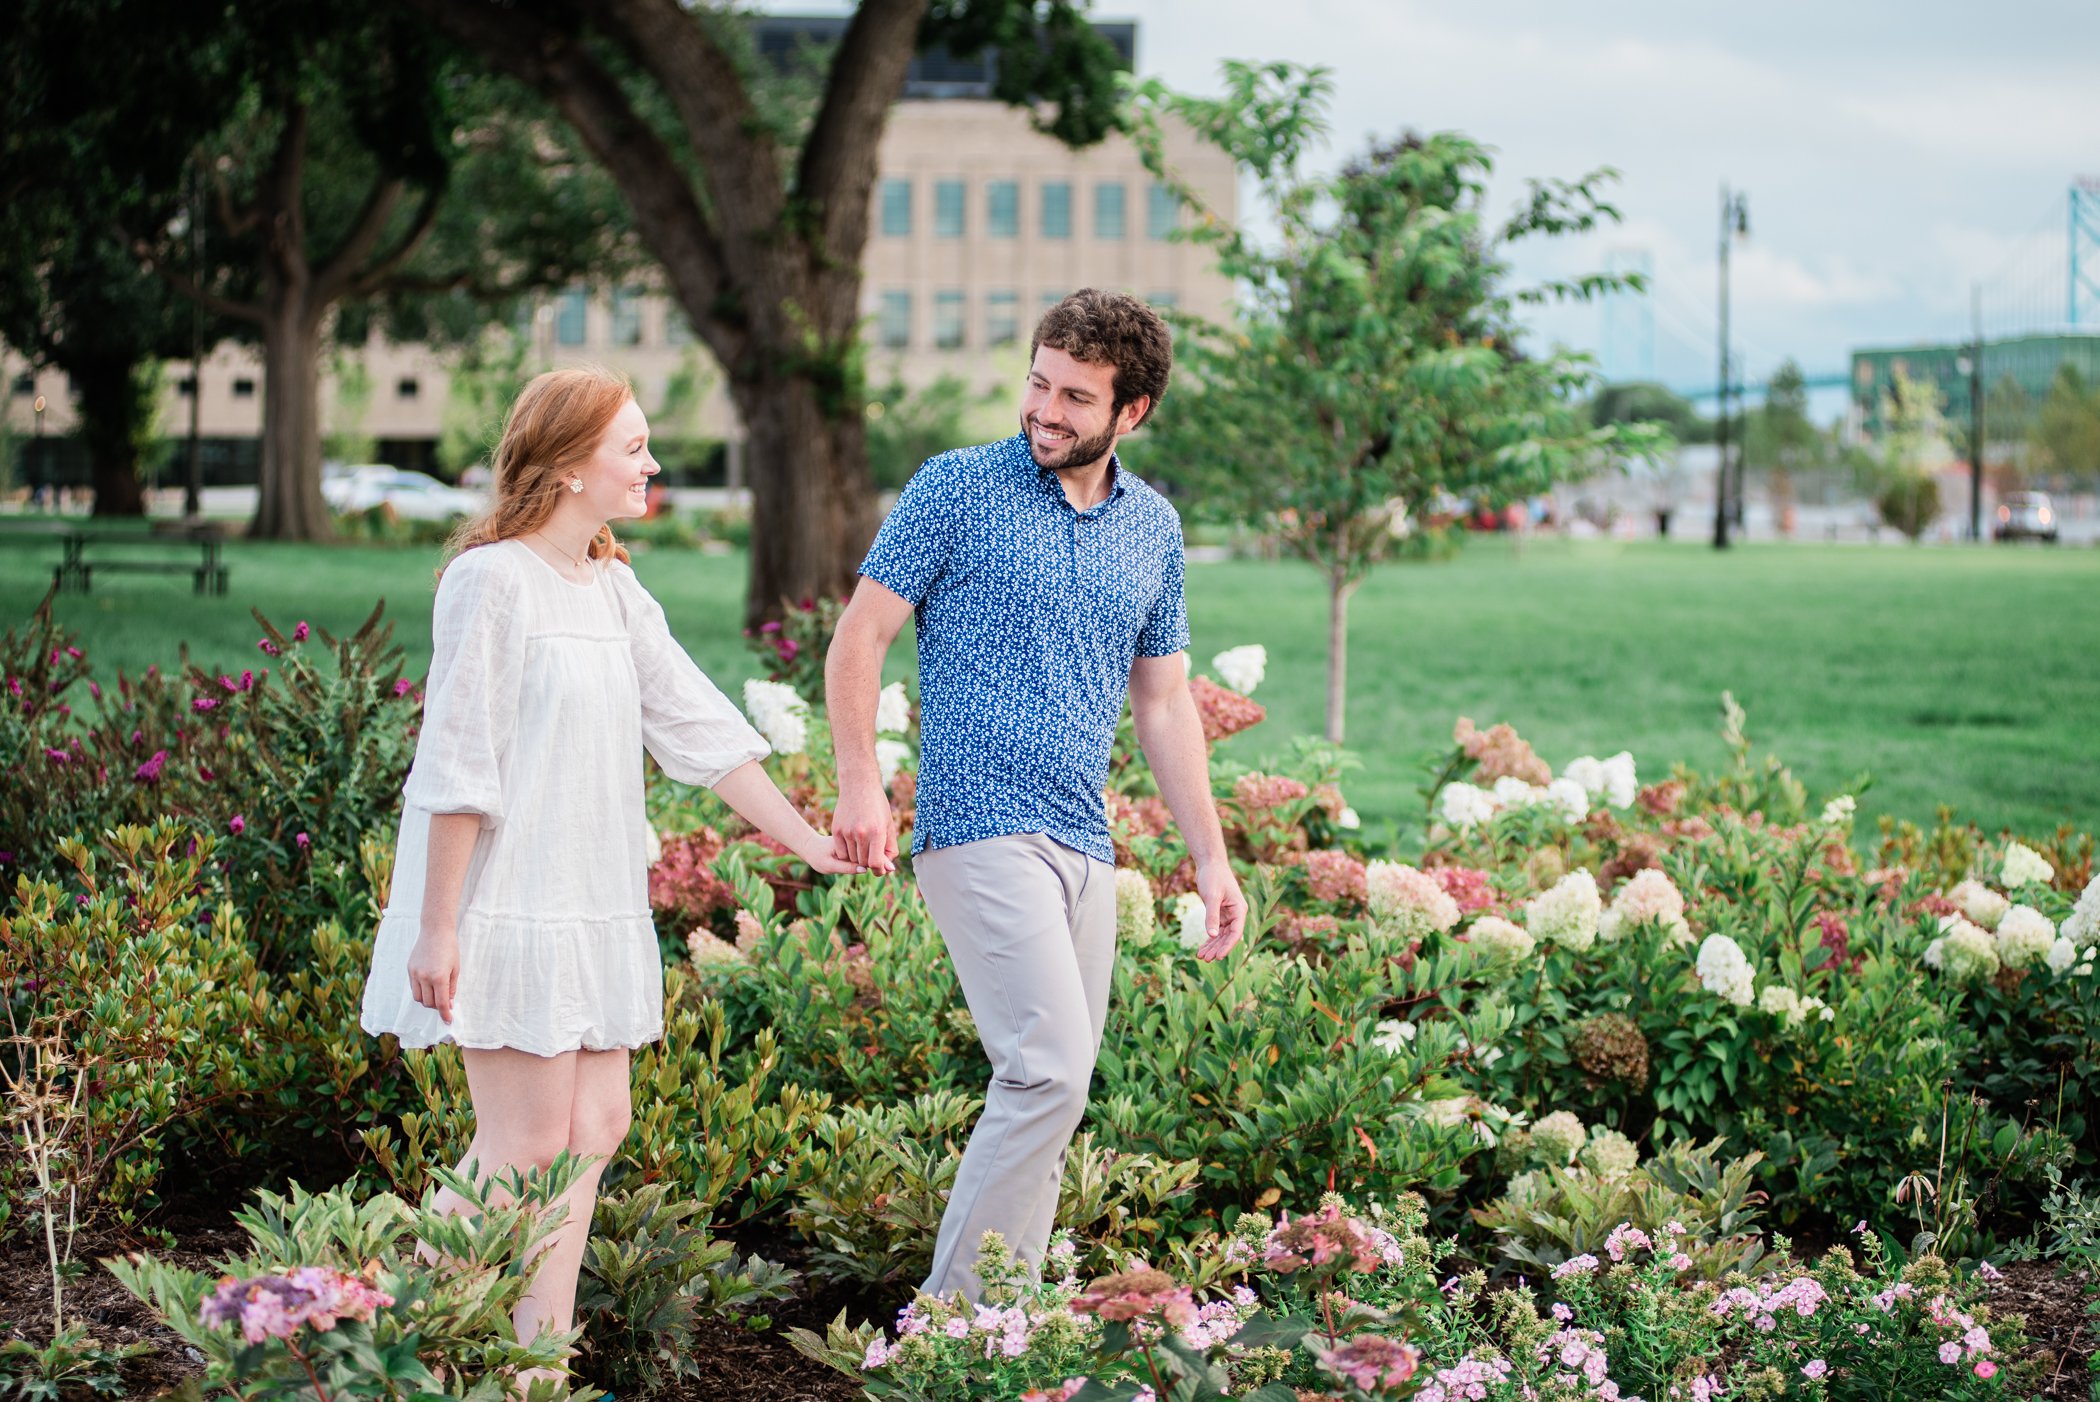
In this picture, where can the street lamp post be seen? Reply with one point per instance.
(36, 488)
(1735, 223)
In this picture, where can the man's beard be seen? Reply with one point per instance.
(1079, 452)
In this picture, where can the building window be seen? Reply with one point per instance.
(896, 208)
(1163, 301)
(948, 320)
(893, 324)
(25, 385)
(1002, 209)
(1057, 209)
(1051, 299)
(244, 388)
(677, 330)
(406, 387)
(186, 386)
(948, 209)
(1108, 210)
(1162, 212)
(569, 310)
(627, 316)
(1002, 319)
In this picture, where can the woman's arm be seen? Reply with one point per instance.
(433, 964)
(758, 801)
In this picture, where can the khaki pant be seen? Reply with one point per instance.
(1031, 926)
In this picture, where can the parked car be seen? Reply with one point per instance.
(414, 496)
(2025, 516)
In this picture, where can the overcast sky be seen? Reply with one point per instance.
(1892, 154)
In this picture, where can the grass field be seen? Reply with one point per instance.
(1963, 677)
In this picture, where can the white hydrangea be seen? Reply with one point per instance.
(1965, 951)
(779, 713)
(1557, 1138)
(890, 756)
(1611, 781)
(1408, 903)
(1349, 821)
(2084, 921)
(1501, 940)
(1392, 1035)
(1980, 903)
(1136, 919)
(2023, 864)
(1648, 895)
(1610, 1154)
(1570, 798)
(1839, 810)
(1796, 1008)
(2062, 955)
(892, 710)
(1569, 913)
(2024, 937)
(1512, 792)
(1725, 972)
(1462, 806)
(652, 844)
(704, 948)
(1190, 922)
(1241, 668)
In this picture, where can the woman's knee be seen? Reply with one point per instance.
(598, 1130)
(531, 1146)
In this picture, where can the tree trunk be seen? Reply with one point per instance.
(812, 505)
(290, 506)
(116, 406)
(1339, 588)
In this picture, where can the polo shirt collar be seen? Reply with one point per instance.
(1047, 478)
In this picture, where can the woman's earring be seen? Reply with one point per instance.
(575, 484)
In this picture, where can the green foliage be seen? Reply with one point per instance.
(446, 1334)
(492, 368)
(1651, 403)
(68, 1364)
(649, 1272)
(908, 426)
(1902, 478)
(346, 439)
(2065, 436)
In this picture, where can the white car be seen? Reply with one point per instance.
(414, 496)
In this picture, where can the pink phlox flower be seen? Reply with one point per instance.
(1575, 1265)
(1680, 1262)
(910, 1321)
(1985, 1368)
(1704, 1388)
(957, 1328)
(1673, 1227)
(1814, 1368)
(1623, 1236)
(1859, 1228)
(1976, 1340)
(880, 1351)
(1950, 1353)
(1989, 1272)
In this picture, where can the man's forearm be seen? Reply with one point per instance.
(852, 692)
(1171, 735)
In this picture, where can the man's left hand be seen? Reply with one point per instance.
(1224, 910)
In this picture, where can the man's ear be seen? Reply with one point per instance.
(1134, 413)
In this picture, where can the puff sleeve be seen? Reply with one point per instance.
(694, 732)
(470, 702)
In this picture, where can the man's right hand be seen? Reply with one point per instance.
(864, 830)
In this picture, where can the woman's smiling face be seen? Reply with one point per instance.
(616, 479)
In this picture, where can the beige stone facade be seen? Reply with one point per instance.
(978, 223)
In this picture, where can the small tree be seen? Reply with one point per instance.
(1374, 359)
(1781, 443)
(1904, 474)
(2065, 436)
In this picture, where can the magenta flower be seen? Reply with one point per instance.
(299, 633)
(269, 647)
(203, 703)
(74, 653)
(95, 690)
(1986, 1369)
(302, 841)
(150, 770)
(57, 756)
(237, 825)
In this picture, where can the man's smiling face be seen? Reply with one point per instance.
(1066, 411)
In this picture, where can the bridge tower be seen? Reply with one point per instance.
(1629, 317)
(2082, 297)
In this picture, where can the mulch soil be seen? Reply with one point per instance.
(743, 1365)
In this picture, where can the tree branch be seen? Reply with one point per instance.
(666, 211)
(837, 169)
(203, 297)
(336, 272)
(379, 276)
(235, 224)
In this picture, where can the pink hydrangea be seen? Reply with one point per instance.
(1371, 1362)
(1259, 793)
(1335, 878)
(1138, 1294)
(1470, 888)
(276, 1306)
(1323, 1239)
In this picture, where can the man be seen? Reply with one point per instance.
(1047, 584)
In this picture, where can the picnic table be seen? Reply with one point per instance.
(76, 571)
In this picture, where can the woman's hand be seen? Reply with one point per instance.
(822, 862)
(433, 969)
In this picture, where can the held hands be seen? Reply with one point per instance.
(433, 969)
(864, 831)
(1224, 909)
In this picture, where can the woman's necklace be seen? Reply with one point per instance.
(574, 561)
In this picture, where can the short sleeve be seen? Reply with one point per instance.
(1166, 629)
(696, 734)
(470, 701)
(913, 546)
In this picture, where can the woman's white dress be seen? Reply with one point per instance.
(542, 694)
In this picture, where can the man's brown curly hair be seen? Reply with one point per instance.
(1114, 329)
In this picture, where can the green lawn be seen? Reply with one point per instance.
(1954, 676)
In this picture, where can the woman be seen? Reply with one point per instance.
(518, 924)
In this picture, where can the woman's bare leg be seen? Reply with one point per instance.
(599, 1114)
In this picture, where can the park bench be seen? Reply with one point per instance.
(76, 570)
